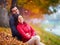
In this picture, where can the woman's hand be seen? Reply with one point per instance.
(28, 34)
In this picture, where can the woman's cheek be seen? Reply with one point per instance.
(19, 20)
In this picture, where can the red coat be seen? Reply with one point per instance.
(25, 31)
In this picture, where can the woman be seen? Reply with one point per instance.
(28, 34)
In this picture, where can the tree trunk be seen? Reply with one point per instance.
(4, 20)
(4, 6)
(13, 3)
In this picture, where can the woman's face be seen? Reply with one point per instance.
(20, 19)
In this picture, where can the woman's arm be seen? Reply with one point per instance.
(23, 34)
(33, 33)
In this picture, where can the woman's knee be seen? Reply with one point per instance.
(37, 37)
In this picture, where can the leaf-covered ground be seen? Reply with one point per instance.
(7, 39)
(46, 37)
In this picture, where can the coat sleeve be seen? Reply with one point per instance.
(12, 26)
(23, 34)
(33, 33)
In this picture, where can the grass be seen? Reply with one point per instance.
(46, 37)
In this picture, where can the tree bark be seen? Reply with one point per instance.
(4, 20)
(13, 3)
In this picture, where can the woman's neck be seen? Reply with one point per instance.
(20, 22)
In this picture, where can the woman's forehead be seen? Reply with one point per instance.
(20, 17)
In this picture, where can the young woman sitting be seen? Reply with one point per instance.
(27, 32)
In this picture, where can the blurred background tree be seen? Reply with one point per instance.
(31, 8)
(42, 4)
(37, 7)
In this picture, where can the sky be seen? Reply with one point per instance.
(53, 21)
